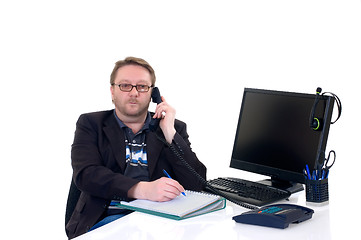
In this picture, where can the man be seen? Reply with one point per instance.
(116, 157)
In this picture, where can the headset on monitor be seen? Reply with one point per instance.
(316, 122)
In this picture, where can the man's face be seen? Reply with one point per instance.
(133, 103)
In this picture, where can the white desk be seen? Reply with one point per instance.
(219, 225)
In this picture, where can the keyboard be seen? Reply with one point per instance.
(240, 190)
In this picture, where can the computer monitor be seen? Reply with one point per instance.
(274, 136)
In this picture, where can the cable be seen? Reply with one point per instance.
(204, 182)
(339, 105)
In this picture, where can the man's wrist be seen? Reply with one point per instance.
(169, 136)
(136, 191)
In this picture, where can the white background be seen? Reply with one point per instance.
(56, 58)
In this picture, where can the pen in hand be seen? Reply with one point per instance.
(165, 173)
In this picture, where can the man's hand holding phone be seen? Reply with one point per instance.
(166, 113)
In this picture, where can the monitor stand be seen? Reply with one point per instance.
(292, 187)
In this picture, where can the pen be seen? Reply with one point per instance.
(308, 172)
(326, 173)
(165, 172)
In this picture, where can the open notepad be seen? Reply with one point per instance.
(181, 207)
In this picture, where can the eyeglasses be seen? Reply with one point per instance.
(125, 87)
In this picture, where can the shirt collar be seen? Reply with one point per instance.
(145, 126)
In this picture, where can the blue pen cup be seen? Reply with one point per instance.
(317, 190)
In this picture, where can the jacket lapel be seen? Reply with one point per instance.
(116, 140)
(154, 148)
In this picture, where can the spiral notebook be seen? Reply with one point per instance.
(181, 207)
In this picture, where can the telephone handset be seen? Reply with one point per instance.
(156, 98)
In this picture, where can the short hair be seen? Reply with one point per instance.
(132, 61)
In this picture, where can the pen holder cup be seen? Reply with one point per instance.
(317, 190)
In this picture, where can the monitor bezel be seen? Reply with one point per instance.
(278, 174)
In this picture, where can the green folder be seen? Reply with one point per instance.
(181, 207)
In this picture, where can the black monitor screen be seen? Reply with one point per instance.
(274, 136)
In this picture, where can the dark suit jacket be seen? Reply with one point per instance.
(98, 161)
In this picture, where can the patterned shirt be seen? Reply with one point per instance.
(136, 150)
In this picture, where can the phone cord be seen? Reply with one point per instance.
(204, 182)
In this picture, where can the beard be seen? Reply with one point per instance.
(132, 108)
